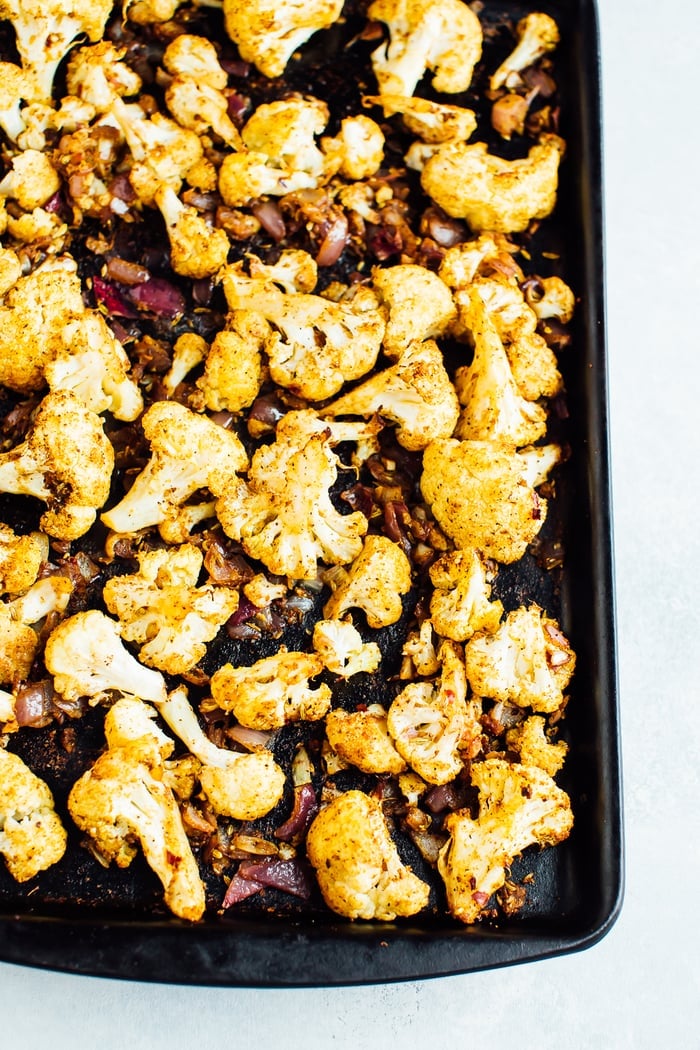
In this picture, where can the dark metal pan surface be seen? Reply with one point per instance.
(81, 918)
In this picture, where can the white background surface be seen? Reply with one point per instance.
(640, 986)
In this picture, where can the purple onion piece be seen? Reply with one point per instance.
(239, 889)
(270, 218)
(286, 875)
(158, 296)
(303, 812)
(34, 705)
(109, 296)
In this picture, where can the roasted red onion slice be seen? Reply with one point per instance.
(159, 297)
(304, 810)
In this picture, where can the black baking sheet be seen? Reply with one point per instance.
(118, 928)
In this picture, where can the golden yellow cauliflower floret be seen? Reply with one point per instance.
(491, 193)
(273, 691)
(519, 806)
(164, 612)
(359, 870)
(268, 33)
(20, 559)
(461, 600)
(362, 739)
(530, 741)
(32, 837)
(375, 582)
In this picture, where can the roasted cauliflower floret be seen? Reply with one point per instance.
(15, 89)
(361, 738)
(430, 724)
(281, 153)
(340, 646)
(195, 94)
(241, 785)
(317, 345)
(189, 350)
(163, 152)
(45, 31)
(233, 369)
(32, 837)
(65, 461)
(87, 657)
(519, 806)
(444, 37)
(489, 253)
(273, 691)
(537, 34)
(527, 661)
(122, 802)
(416, 393)
(268, 33)
(461, 602)
(21, 557)
(492, 193)
(550, 297)
(17, 617)
(98, 74)
(188, 452)
(196, 249)
(530, 741)
(357, 151)
(374, 583)
(162, 610)
(36, 309)
(358, 868)
(419, 306)
(470, 485)
(283, 515)
(31, 180)
(532, 361)
(493, 408)
(95, 368)
(432, 122)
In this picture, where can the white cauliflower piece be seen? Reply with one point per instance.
(268, 33)
(283, 515)
(87, 657)
(21, 557)
(32, 837)
(273, 691)
(527, 661)
(416, 393)
(493, 408)
(432, 122)
(162, 610)
(188, 452)
(317, 345)
(45, 31)
(233, 369)
(244, 786)
(419, 306)
(469, 485)
(419, 649)
(163, 152)
(430, 722)
(197, 249)
(95, 367)
(98, 74)
(530, 741)
(281, 154)
(519, 806)
(491, 252)
(195, 94)
(15, 89)
(533, 363)
(122, 802)
(32, 317)
(374, 583)
(361, 738)
(17, 617)
(66, 460)
(550, 297)
(31, 180)
(358, 868)
(189, 350)
(537, 34)
(461, 602)
(295, 270)
(10, 269)
(357, 151)
(340, 646)
(492, 193)
(444, 37)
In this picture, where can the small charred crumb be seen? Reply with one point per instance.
(511, 898)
